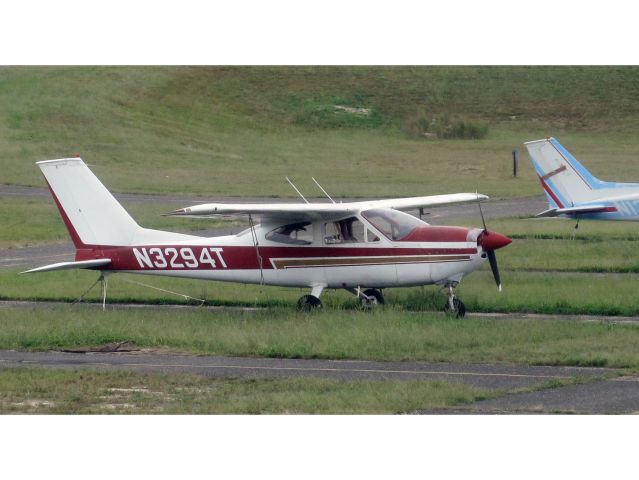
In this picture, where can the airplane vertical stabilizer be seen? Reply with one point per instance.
(91, 214)
(566, 182)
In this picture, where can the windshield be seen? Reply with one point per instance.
(394, 224)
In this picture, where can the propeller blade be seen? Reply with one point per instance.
(492, 258)
(482, 214)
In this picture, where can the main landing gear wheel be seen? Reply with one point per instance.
(372, 297)
(458, 309)
(308, 303)
(454, 306)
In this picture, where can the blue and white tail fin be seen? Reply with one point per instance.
(569, 187)
(566, 182)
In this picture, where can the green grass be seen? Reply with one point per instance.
(540, 292)
(555, 245)
(339, 334)
(43, 391)
(555, 228)
(240, 130)
(545, 292)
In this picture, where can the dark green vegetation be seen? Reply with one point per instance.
(239, 131)
(53, 391)
(384, 335)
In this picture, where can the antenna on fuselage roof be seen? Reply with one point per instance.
(295, 188)
(322, 189)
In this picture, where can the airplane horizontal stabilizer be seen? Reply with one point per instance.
(587, 209)
(100, 262)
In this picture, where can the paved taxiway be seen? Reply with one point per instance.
(493, 377)
(616, 395)
(603, 391)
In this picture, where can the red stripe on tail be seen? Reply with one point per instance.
(550, 192)
(70, 228)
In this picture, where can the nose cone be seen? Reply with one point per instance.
(490, 241)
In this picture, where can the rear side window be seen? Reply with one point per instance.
(293, 234)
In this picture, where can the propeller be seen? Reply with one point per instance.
(491, 241)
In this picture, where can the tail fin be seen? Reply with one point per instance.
(91, 214)
(565, 180)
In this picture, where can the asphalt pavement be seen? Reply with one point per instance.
(619, 395)
(522, 389)
(488, 376)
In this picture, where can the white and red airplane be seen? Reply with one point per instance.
(358, 246)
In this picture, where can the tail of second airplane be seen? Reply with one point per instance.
(566, 182)
(569, 187)
(94, 218)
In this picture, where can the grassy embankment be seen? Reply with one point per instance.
(239, 131)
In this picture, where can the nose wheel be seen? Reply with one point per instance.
(454, 306)
(369, 298)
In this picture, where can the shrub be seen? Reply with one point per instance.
(444, 127)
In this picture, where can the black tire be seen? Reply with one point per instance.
(376, 296)
(308, 303)
(459, 309)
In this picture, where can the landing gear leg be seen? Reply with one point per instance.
(310, 302)
(103, 281)
(454, 306)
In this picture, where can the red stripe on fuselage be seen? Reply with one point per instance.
(240, 258)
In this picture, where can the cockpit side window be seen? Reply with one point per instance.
(293, 234)
(349, 230)
(394, 224)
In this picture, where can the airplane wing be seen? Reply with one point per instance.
(317, 211)
(100, 262)
(583, 210)
(424, 202)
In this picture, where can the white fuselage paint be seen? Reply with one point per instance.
(400, 273)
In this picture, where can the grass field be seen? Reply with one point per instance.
(337, 334)
(239, 131)
(541, 292)
(40, 391)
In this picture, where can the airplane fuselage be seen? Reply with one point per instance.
(236, 258)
